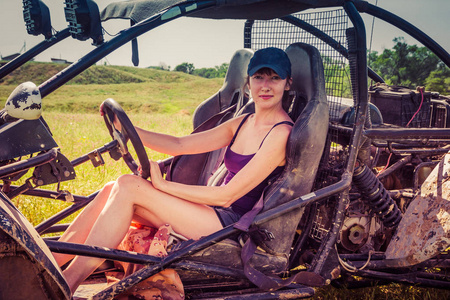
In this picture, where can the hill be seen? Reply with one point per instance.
(39, 72)
(138, 90)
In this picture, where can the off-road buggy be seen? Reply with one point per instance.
(331, 218)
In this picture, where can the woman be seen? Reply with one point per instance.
(256, 152)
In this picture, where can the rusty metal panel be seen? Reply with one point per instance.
(425, 228)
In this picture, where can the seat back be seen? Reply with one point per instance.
(305, 145)
(220, 107)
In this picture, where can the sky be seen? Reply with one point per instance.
(205, 43)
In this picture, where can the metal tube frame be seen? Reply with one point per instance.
(361, 102)
(340, 187)
(28, 163)
(79, 201)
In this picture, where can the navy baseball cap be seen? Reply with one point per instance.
(273, 58)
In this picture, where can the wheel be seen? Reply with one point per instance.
(113, 110)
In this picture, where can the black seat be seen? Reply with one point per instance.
(310, 112)
(220, 107)
(232, 91)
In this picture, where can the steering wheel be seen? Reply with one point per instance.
(112, 110)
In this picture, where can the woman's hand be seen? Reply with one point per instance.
(156, 176)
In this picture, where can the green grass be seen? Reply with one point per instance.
(78, 134)
(148, 97)
(157, 100)
(137, 90)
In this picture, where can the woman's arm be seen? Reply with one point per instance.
(269, 156)
(201, 142)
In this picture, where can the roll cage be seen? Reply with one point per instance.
(278, 17)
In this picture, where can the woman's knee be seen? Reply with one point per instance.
(129, 181)
(132, 186)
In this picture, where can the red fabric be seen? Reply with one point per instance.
(166, 284)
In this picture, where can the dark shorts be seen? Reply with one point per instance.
(226, 215)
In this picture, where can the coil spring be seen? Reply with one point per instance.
(377, 196)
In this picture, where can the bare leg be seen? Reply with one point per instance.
(133, 195)
(78, 231)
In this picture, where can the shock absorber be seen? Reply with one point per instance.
(376, 195)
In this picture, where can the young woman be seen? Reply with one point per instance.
(256, 152)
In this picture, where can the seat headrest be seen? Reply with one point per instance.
(237, 70)
(231, 92)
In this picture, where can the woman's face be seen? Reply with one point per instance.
(267, 88)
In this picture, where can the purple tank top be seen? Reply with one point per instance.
(234, 162)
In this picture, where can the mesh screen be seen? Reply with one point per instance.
(333, 23)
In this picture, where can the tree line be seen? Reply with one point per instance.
(411, 66)
(216, 72)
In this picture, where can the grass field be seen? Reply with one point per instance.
(79, 133)
(154, 99)
(161, 102)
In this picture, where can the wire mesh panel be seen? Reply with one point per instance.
(325, 30)
(331, 26)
